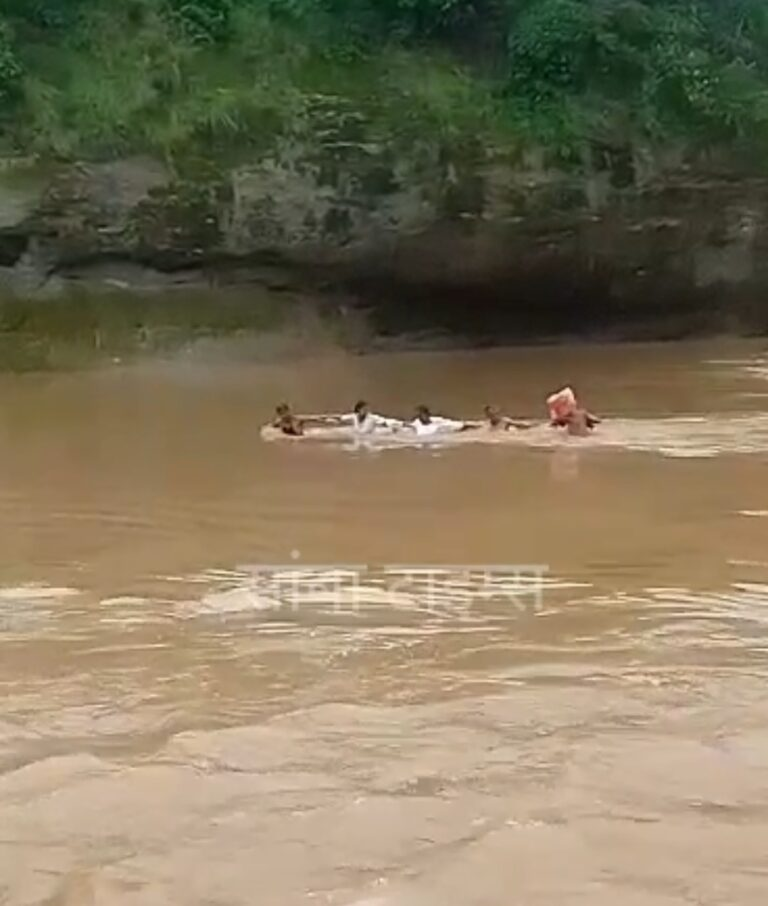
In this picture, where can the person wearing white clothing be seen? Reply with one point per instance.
(363, 421)
(426, 424)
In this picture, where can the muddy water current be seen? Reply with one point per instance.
(529, 671)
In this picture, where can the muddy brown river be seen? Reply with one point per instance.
(480, 674)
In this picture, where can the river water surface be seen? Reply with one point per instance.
(528, 672)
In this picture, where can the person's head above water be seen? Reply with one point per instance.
(423, 414)
(361, 409)
(286, 421)
(493, 414)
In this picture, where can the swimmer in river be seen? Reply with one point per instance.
(425, 423)
(497, 421)
(591, 421)
(287, 422)
(565, 411)
(580, 422)
(363, 421)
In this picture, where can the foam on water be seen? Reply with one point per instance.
(757, 367)
(679, 437)
(30, 607)
(687, 437)
(376, 604)
(33, 593)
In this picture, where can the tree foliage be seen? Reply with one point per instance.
(94, 76)
(10, 68)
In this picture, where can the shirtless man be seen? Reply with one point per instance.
(565, 411)
(497, 421)
(580, 414)
(580, 422)
(287, 422)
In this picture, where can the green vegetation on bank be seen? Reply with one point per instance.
(84, 328)
(101, 78)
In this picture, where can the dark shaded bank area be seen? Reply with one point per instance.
(277, 312)
(129, 256)
(88, 326)
(557, 302)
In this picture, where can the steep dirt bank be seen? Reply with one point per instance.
(633, 248)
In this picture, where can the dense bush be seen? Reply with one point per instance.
(10, 67)
(97, 77)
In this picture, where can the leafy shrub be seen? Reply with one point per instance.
(204, 20)
(11, 70)
(102, 77)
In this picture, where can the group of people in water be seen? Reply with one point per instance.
(564, 412)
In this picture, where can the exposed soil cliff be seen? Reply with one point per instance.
(631, 246)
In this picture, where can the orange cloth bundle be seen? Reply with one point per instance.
(562, 404)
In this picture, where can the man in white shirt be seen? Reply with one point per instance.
(363, 421)
(426, 424)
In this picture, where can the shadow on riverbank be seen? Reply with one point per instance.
(87, 327)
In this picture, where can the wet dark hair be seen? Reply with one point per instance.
(423, 410)
(282, 409)
(360, 405)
